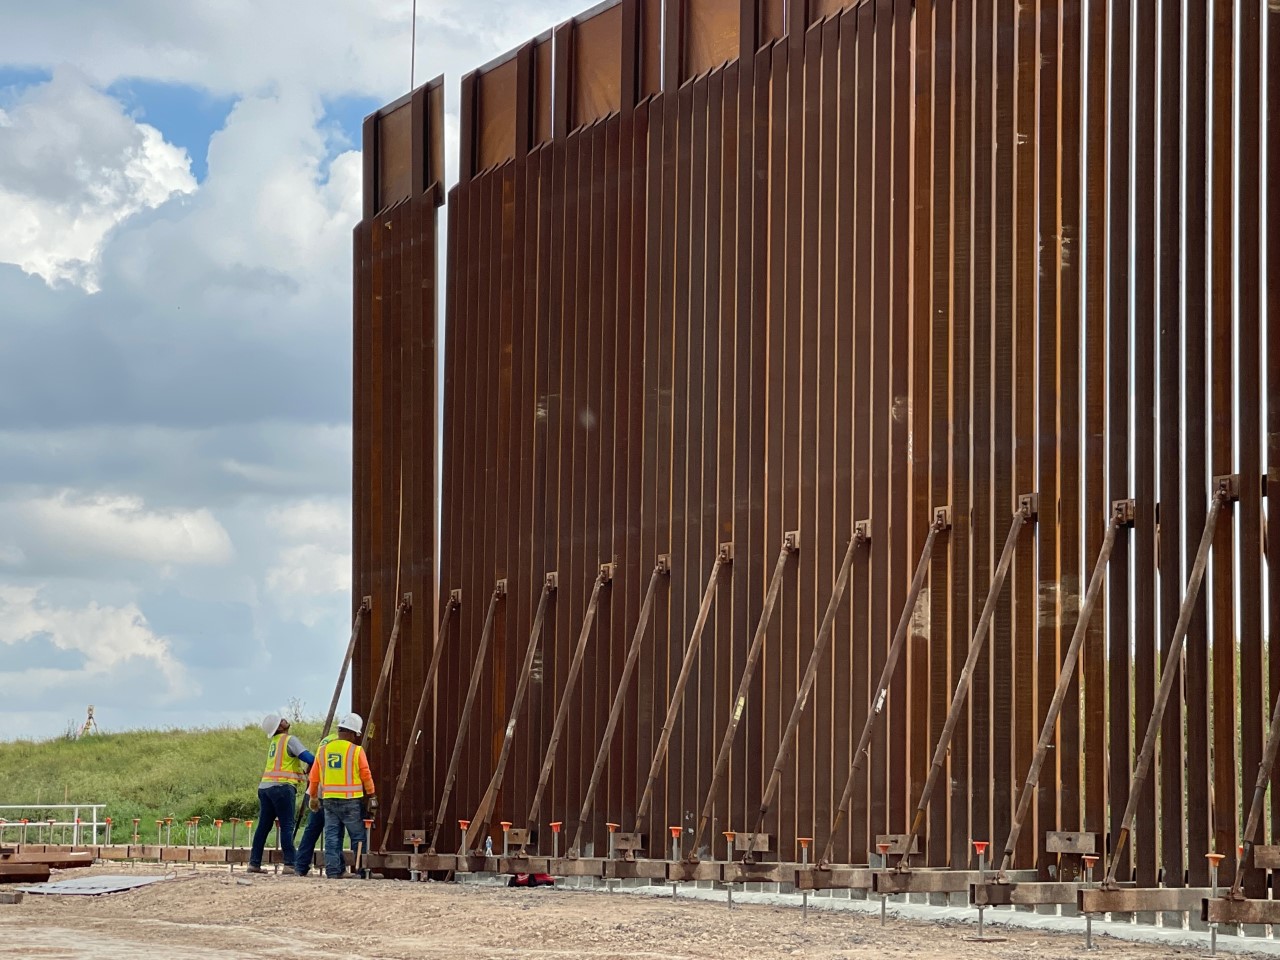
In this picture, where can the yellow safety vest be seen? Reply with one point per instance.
(281, 767)
(340, 771)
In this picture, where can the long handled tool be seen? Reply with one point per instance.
(1226, 490)
(724, 556)
(384, 677)
(1122, 515)
(861, 537)
(1025, 513)
(1256, 807)
(454, 601)
(790, 547)
(366, 604)
(464, 720)
(941, 521)
(661, 569)
(603, 578)
(481, 818)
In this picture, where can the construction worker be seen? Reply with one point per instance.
(278, 789)
(341, 785)
(315, 827)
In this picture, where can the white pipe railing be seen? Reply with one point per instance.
(18, 820)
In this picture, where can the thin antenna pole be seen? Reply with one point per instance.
(413, 44)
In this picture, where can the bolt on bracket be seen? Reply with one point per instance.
(942, 517)
(606, 572)
(664, 564)
(455, 597)
(1228, 486)
(1029, 506)
(407, 600)
(791, 540)
(366, 603)
(552, 581)
(1125, 512)
(500, 588)
(726, 552)
(862, 531)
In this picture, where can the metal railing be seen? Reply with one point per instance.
(32, 823)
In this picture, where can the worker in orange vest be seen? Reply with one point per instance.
(342, 786)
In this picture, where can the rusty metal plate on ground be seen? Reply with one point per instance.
(92, 886)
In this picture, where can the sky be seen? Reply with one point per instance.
(178, 185)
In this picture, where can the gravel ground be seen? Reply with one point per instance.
(214, 915)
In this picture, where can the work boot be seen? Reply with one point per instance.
(301, 873)
(253, 869)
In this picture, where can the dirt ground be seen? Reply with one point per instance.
(215, 915)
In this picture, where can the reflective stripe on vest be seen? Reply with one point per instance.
(340, 771)
(281, 767)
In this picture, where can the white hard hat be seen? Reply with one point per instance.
(353, 723)
(270, 724)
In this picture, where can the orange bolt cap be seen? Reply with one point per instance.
(729, 834)
(612, 827)
(556, 825)
(805, 841)
(883, 848)
(506, 825)
(675, 832)
(1215, 858)
(980, 846)
(368, 824)
(463, 824)
(1090, 859)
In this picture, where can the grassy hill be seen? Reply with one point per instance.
(148, 774)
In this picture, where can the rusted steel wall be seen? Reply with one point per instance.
(786, 267)
(394, 487)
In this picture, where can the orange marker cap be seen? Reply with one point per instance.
(556, 825)
(506, 825)
(980, 846)
(675, 832)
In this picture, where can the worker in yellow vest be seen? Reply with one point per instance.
(341, 785)
(278, 790)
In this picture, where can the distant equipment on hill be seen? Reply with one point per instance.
(90, 725)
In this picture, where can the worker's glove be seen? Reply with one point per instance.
(371, 806)
(314, 805)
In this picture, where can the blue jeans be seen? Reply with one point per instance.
(339, 814)
(311, 833)
(274, 803)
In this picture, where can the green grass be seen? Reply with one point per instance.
(149, 774)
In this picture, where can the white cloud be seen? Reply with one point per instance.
(73, 166)
(113, 526)
(106, 636)
(316, 559)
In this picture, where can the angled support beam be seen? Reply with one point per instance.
(428, 683)
(724, 557)
(1226, 490)
(941, 522)
(1026, 513)
(790, 547)
(603, 578)
(661, 569)
(861, 537)
(1122, 515)
(481, 818)
(464, 721)
(366, 604)
(384, 677)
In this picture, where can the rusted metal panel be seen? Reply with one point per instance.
(712, 37)
(597, 81)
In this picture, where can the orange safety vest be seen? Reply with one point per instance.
(340, 771)
(281, 767)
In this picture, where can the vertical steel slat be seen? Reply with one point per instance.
(1168, 677)
(1097, 366)
(1249, 400)
(1021, 517)
(1119, 372)
(412, 740)
(660, 570)
(1145, 202)
(1271, 87)
(464, 716)
(739, 702)
(1173, 819)
(860, 752)
(1003, 41)
(480, 819)
(1222, 247)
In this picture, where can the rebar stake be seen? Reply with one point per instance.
(728, 857)
(555, 838)
(1215, 859)
(218, 826)
(804, 861)
(612, 828)
(981, 847)
(675, 857)
(1089, 861)
(462, 847)
(883, 849)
